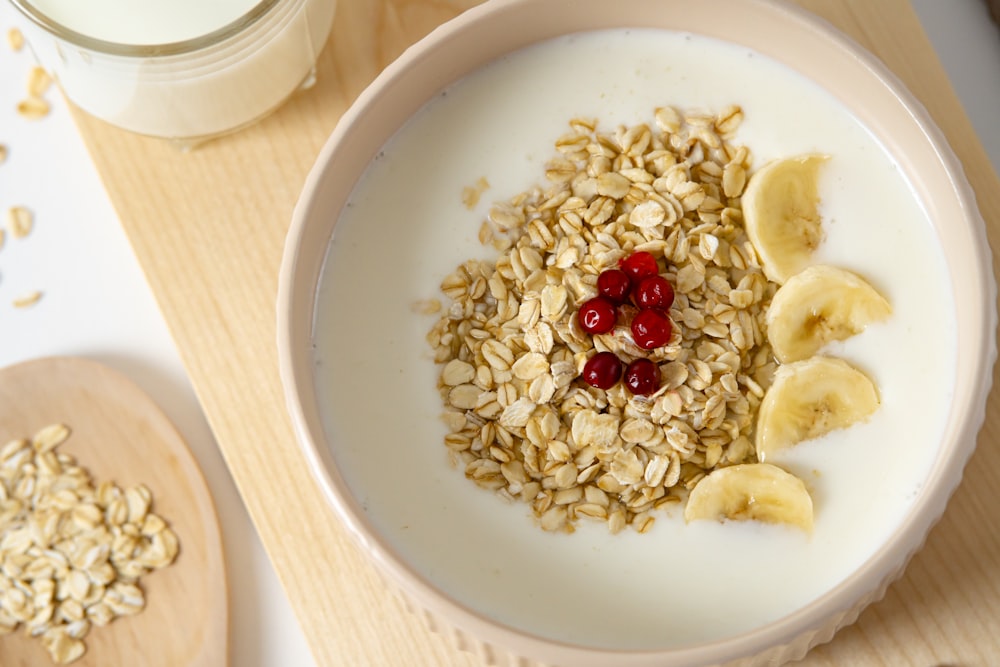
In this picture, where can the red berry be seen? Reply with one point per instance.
(602, 370)
(638, 265)
(614, 284)
(597, 316)
(651, 328)
(642, 377)
(654, 292)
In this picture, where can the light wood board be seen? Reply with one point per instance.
(208, 228)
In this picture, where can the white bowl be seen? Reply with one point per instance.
(791, 37)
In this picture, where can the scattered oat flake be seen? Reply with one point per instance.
(28, 300)
(33, 108)
(427, 306)
(3, 153)
(38, 81)
(15, 38)
(471, 193)
(19, 221)
(49, 437)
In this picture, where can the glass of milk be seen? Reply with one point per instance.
(185, 70)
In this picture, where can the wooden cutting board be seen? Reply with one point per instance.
(119, 435)
(208, 228)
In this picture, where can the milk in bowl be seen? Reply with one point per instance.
(673, 583)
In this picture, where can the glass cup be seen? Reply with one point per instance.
(189, 90)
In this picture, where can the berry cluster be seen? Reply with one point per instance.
(637, 280)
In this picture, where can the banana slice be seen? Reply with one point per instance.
(751, 492)
(819, 305)
(780, 210)
(810, 398)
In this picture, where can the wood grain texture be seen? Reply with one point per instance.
(208, 229)
(120, 435)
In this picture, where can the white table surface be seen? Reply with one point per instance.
(96, 302)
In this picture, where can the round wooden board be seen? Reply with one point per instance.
(119, 434)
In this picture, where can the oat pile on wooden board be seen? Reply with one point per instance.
(72, 550)
(512, 350)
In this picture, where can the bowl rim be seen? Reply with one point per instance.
(803, 628)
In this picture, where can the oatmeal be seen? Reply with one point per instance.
(513, 348)
(405, 227)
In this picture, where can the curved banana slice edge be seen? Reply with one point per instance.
(781, 214)
(751, 492)
(811, 398)
(817, 306)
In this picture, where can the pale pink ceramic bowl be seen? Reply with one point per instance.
(782, 33)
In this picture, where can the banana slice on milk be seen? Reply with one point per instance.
(810, 398)
(781, 213)
(751, 492)
(817, 306)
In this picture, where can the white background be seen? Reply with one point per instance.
(96, 302)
